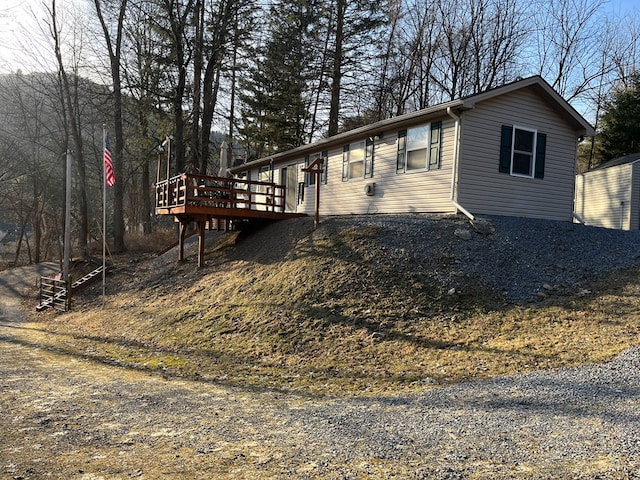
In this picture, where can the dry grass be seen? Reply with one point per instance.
(327, 314)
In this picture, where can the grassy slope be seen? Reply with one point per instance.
(328, 312)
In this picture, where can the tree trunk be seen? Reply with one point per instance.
(336, 72)
(114, 49)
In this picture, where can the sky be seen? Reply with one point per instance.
(21, 36)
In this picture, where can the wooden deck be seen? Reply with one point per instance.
(207, 200)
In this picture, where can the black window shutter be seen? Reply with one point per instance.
(402, 154)
(541, 146)
(325, 166)
(345, 163)
(505, 149)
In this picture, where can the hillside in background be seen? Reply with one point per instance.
(365, 305)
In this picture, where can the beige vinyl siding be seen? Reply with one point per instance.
(419, 192)
(482, 189)
(604, 197)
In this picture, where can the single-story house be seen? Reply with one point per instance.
(609, 195)
(507, 151)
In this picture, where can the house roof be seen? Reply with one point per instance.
(634, 157)
(581, 126)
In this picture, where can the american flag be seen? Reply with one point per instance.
(110, 178)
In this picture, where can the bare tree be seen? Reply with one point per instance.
(567, 34)
(113, 42)
(68, 85)
(29, 165)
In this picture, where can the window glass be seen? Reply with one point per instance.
(417, 137)
(417, 147)
(309, 178)
(521, 164)
(416, 159)
(523, 140)
(264, 175)
(523, 152)
(356, 169)
(356, 160)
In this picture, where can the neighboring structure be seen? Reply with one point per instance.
(8, 242)
(609, 195)
(508, 151)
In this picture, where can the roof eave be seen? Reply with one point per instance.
(377, 128)
(581, 126)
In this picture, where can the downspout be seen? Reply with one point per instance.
(456, 159)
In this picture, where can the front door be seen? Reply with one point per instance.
(289, 175)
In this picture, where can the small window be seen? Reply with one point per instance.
(368, 158)
(309, 178)
(353, 161)
(522, 152)
(264, 174)
(325, 167)
(419, 148)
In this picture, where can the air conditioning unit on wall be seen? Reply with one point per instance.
(370, 189)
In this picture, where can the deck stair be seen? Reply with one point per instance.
(53, 292)
(88, 279)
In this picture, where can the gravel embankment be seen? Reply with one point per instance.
(518, 256)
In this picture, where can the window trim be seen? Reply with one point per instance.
(432, 148)
(309, 179)
(367, 146)
(325, 167)
(507, 150)
(532, 154)
(265, 169)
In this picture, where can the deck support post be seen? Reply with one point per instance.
(315, 168)
(201, 231)
(184, 224)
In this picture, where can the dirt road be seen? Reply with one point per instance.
(67, 417)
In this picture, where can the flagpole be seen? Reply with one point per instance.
(104, 211)
(67, 220)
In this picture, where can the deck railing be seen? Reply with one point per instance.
(219, 192)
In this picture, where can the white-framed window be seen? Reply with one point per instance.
(419, 148)
(310, 179)
(264, 175)
(325, 167)
(522, 151)
(357, 160)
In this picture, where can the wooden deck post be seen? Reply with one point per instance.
(315, 168)
(184, 224)
(201, 231)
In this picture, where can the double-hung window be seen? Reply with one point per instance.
(264, 175)
(419, 148)
(357, 160)
(522, 152)
(310, 178)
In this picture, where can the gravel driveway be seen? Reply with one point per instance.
(65, 417)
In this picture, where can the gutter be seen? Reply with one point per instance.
(456, 159)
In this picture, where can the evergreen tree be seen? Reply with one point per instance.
(353, 28)
(620, 132)
(275, 96)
